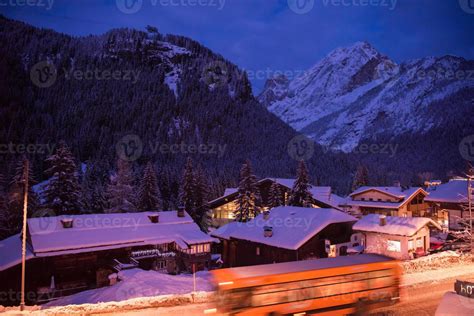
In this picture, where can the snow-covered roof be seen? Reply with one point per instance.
(319, 193)
(402, 226)
(395, 191)
(292, 226)
(229, 191)
(398, 192)
(454, 191)
(10, 252)
(95, 232)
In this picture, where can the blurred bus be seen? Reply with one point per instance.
(331, 286)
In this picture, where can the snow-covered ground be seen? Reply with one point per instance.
(139, 283)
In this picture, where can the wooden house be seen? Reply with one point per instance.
(79, 252)
(448, 203)
(223, 208)
(391, 201)
(286, 233)
(396, 237)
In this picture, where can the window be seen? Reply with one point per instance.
(394, 245)
(380, 200)
(419, 242)
(410, 244)
(371, 199)
(257, 250)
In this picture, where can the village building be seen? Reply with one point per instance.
(223, 208)
(448, 203)
(68, 254)
(285, 233)
(391, 201)
(398, 237)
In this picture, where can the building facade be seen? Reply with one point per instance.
(401, 238)
(80, 252)
(286, 233)
(223, 208)
(390, 201)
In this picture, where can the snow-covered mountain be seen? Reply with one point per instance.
(357, 93)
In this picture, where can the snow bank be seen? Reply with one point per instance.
(436, 261)
(138, 289)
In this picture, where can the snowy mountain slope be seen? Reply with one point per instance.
(356, 93)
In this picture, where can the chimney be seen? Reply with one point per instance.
(266, 215)
(181, 211)
(154, 218)
(383, 220)
(267, 231)
(396, 183)
(67, 222)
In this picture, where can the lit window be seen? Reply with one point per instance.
(394, 245)
(257, 251)
(410, 245)
(419, 243)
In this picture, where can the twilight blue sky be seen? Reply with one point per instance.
(267, 35)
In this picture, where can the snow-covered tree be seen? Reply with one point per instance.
(94, 197)
(201, 197)
(249, 197)
(186, 195)
(11, 201)
(361, 177)
(120, 191)
(148, 198)
(300, 195)
(63, 193)
(275, 195)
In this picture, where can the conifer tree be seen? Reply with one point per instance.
(275, 195)
(201, 196)
(63, 193)
(249, 197)
(120, 191)
(187, 195)
(94, 199)
(361, 177)
(148, 194)
(300, 195)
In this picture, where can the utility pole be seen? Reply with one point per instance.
(23, 246)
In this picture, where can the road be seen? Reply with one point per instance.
(420, 300)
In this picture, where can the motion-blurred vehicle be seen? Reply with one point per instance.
(336, 286)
